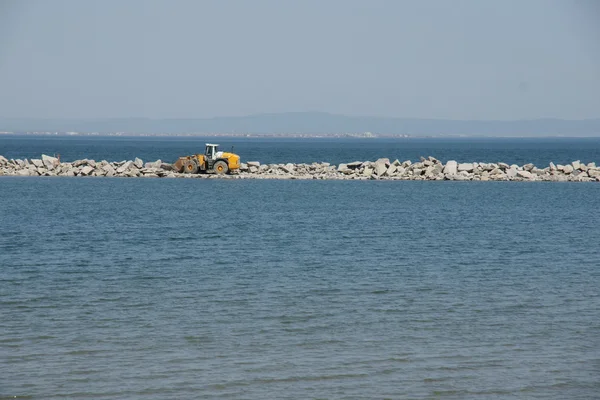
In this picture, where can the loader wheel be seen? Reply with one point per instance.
(221, 167)
(190, 167)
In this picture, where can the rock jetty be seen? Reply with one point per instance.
(426, 169)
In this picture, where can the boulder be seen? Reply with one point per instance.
(288, 168)
(593, 173)
(37, 162)
(367, 171)
(465, 167)
(385, 161)
(342, 167)
(109, 169)
(511, 172)
(3, 161)
(253, 164)
(391, 170)
(50, 162)
(87, 170)
(138, 163)
(525, 174)
(381, 167)
(23, 172)
(451, 168)
(124, 167)
(354, 164)
(437, 169)
(567, 169)
(552, 166)
(576, 164)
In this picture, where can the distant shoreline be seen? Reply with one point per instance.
(285, 135)
(305, 124)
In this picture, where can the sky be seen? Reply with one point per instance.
(459, 59)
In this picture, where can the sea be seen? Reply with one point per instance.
(121, 288)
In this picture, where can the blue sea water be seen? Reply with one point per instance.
(174, 288)
(277, 150)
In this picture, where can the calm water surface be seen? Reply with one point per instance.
(277, 150)
(168, 289)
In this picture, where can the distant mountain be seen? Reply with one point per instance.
(310, 123)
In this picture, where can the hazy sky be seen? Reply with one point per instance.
(457, 59)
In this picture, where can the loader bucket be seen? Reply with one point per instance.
(178, 165)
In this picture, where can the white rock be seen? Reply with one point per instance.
(87, 170)
(253, 164)
(465, 167)
(124, 167)
(391, 170)
(108, 168)
(594, 173)
(451, 168)
(525, 174)
(380, 167)
(138, 163)
(49, 162)
(288, 168)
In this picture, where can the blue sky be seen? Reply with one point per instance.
(459, 59)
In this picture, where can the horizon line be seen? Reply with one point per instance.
(267, 114)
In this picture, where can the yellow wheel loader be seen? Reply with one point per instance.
(212, 161)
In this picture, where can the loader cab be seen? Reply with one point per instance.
(211, 151)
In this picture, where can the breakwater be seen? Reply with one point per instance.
(426, 169)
